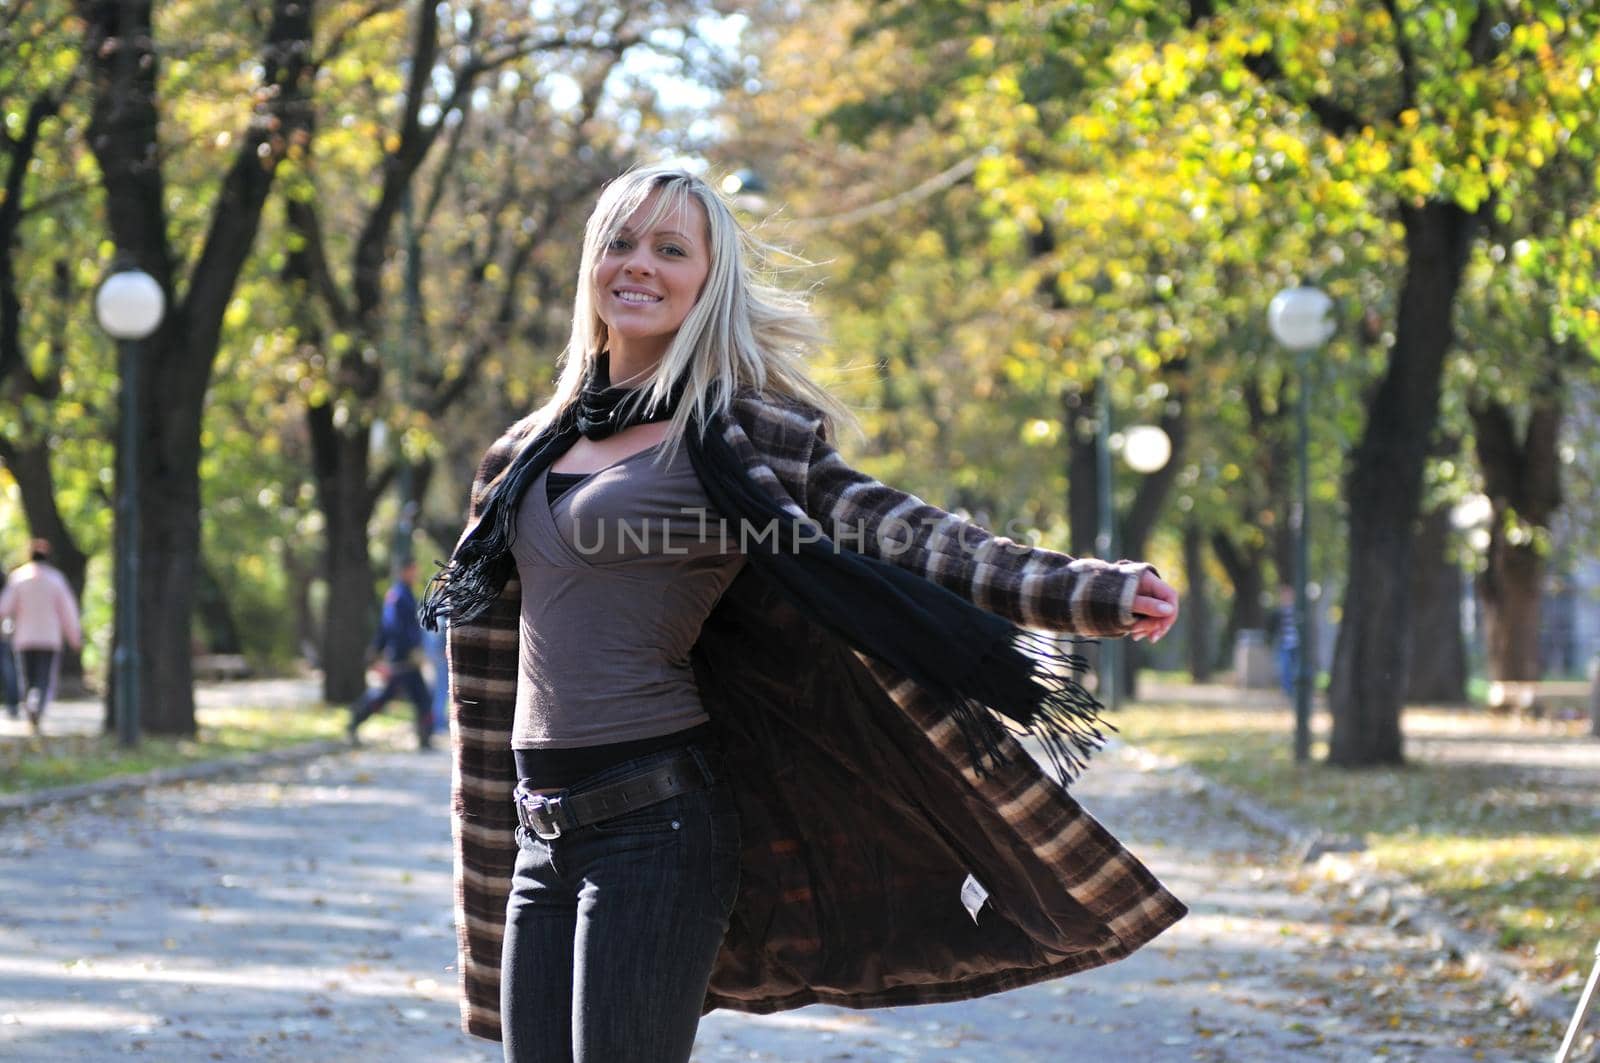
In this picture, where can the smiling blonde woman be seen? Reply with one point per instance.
(736, 725)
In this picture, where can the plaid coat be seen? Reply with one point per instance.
(864, 824)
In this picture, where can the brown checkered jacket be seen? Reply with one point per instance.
(861, 814)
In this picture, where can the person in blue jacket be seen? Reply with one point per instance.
(398, 653)
(433, 644)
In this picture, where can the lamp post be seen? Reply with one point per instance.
(129, 306)
(1146, 449)
(1105, 543)
(1302, 320)
(1471, 517)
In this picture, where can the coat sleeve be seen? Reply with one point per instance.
(482, 665)
(1028, 585)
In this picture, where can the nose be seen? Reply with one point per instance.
(637, 263)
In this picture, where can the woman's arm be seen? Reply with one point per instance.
(1029, 586)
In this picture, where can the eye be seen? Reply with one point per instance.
(673, 249)
(619, 243)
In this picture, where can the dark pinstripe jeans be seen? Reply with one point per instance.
(612, 929)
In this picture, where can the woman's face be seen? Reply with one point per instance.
(647, 282)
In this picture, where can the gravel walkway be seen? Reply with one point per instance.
(304, 915)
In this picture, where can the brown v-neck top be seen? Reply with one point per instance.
(618, 575)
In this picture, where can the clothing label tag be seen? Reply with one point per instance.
(972, 896)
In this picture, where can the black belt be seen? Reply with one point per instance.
(550, 815)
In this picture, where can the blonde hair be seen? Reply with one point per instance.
(743, 332)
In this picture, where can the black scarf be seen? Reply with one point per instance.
(973, 660)
(603, 410)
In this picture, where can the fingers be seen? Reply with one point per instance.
(1155, 608)
(1151, 628)
(1153, 586)
(1144, 605)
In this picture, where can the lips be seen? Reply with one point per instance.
(635, 296)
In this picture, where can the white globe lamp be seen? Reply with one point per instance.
(1146, 449)
(1301, 318)
(130, 304)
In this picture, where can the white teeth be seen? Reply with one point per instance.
(637, 297)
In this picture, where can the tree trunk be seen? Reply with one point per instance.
(1197, 607)
(1523, 481)
(300, 573)
(1439, 663)
(1510, 589)
(169, 549)
(341, 461)
(1083, 471)
(1247, 572)
(1385, 481)
(175, 362)
(216, 615)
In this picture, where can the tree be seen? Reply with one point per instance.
(1089, 250)
(39, 72)
(370, 333)
(125, 136)
(1464, 108)
(1460, 123)
(1519, 360)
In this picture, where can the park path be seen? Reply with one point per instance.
(304, 915)
(86, 716)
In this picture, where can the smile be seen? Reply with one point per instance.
(637, 297)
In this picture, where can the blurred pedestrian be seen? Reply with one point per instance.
(10, 695)
(43, 613)
(433, 644)
(1284, 628)
(752, 785)
(397, 653)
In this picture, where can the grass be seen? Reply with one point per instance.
(1511, 845)
(66, 760)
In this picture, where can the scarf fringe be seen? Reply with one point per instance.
(1067, 719)
(462, 589)
(981, 732)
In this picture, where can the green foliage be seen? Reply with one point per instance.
(1146, 177)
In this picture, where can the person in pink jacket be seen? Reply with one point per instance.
(44, 617)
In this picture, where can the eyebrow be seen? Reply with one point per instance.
(658, 232)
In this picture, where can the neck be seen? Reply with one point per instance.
(630, 365)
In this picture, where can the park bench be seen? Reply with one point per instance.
(221, 666)
(1543, 699)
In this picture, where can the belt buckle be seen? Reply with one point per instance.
(543, 814)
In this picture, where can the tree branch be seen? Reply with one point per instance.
(398, 166)
(284, 119)
(21, 150)
(1497, 449)
(336, 39)
(1408, 61)
(933, 185)
(1335, 117)
(452, 151)
(1481, 45)
(63, 194)
(380, 483)
(307, 223)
